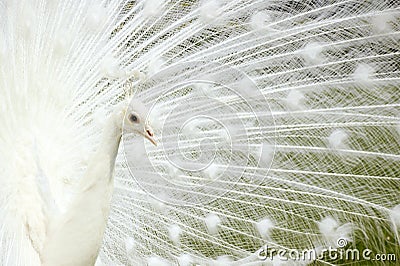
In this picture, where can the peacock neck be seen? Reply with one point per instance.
(111, 137)
(86, 217)
(106, 153)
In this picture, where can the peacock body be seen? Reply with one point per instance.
(277, 122)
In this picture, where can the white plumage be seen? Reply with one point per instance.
(278, 125)
(74, 236)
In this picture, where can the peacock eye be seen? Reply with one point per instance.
(133, 118)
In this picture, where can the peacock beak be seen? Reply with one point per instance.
(149, 134)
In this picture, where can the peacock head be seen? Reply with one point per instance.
(136, 121)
